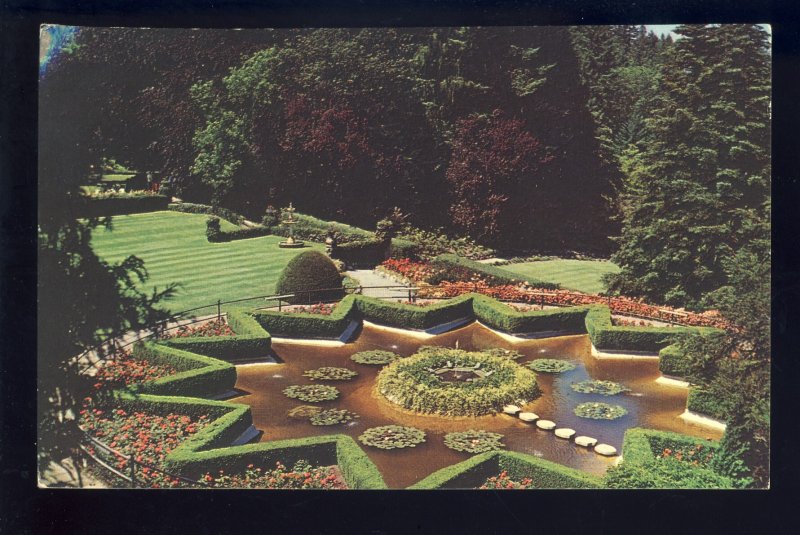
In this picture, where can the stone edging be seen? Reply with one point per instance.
(600, 355)
(702, 420)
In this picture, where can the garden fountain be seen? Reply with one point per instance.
(289, 242)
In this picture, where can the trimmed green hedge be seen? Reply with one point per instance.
(703, 403)
(502, 317)
(310, 275)
(672, 361)
(606, 336)
(411, 316)
(404, 249)
(313, 229)
(250, 341)
(198, 375)
(371, 252)
(192, 208)
(457, 268)
(120, 206)
(309, 325)
(474, 471)
(238, 234)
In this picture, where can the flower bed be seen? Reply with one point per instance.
(600, 411)
(504, 482)
(302, 476)
(473, 441)
(695, 454)
(312, 393)
(123, 369)
(604, 388)
(390, 437)
(523, 293)
(414, 382)
(375, 357)
(330, 373)
(550, 365)
(324, 309)
(148, 437)
(211, 328)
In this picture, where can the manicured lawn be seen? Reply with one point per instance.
(174, 248)
(581, 275)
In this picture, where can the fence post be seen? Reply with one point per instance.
(308, 297)
(541, 302)
(409, 296)
(280, 303)
(219, 309)
(133, 471)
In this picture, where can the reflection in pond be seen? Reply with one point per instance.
(648, 404)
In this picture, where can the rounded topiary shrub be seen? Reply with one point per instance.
(453, 382)
(307, 273)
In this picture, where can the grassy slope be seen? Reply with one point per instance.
(581, 275)
(174, 248)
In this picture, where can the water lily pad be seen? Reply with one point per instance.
(330, 373)
(600, 411)
(332, 417)
(375, 357)
(312, 393)
(604, 388)
(550, 365)
(473, 441)
(303, 412)
(389, 437)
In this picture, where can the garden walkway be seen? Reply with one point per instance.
(368, 277)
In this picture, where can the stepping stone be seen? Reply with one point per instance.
(528, 417)
(586, 442)
(513, 410)
(547, 425)
(565, 432)
(605, 449)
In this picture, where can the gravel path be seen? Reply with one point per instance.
(369, 277)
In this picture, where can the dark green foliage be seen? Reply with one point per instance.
(124, 205)
(224, 347)
(474, 471)
(641, 469)
(700, 189)
(402, 248)
(238, 234)
(307, 272)
(502, 317)
(312, 229)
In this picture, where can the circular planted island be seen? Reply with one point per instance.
(453, 382)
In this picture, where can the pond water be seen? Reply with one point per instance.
(648, 403)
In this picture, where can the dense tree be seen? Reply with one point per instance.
(700, 187)
(81, 298)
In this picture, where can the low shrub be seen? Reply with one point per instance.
(197, 375)
(209, 328)
(502, 317)
(305, 325)
(312, 229)
(414, 317)
(310, 271)
(672, 361)
(238, 234)
(606, 336)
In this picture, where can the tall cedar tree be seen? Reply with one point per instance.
(703, 184)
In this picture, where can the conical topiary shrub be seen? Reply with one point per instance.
(307, 272)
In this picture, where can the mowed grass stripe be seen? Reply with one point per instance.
(174, 248)
(581, 275)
